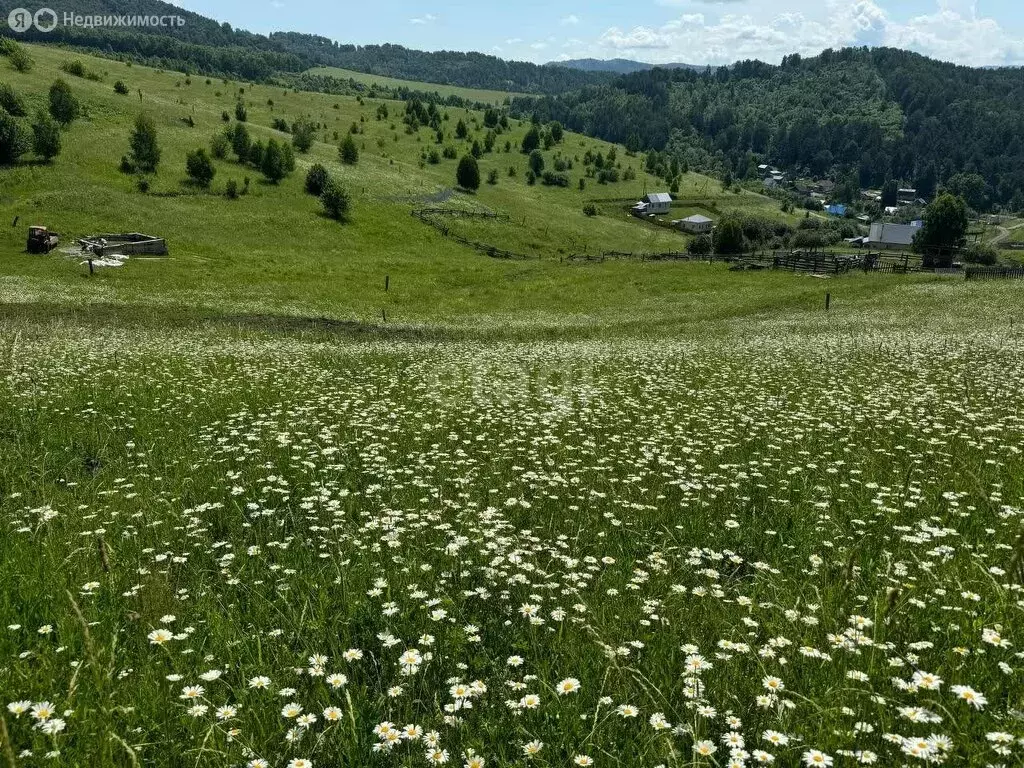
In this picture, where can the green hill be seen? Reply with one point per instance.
(272, 250)
(210, 47)
(863, 115)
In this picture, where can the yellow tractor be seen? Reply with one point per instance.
(41, 240)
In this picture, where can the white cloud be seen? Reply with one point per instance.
(426, 18)
(954, 31)
(514, 41)
(571, 20)
(639, 38)
(539, 46)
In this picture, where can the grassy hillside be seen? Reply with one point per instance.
(272, 250)
(620, 514)
(471, 94)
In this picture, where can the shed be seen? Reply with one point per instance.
(697, 224)
(837, 209)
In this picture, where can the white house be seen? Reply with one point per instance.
(654, 203)
(697, 224)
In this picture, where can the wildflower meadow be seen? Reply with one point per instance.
(231, 550)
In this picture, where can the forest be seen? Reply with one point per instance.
(862, 116)
(208, 47)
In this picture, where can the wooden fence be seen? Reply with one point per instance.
(608, 255)
(994, 273)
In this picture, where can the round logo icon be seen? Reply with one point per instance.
(19, 20)
(45, 19)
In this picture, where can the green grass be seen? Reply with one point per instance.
(472, 94)
(287, 257)
(227, 465)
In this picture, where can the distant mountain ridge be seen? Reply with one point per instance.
(211, 47)
(621, 66)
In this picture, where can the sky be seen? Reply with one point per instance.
(976, 33)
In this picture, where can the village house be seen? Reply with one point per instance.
(906, 196)
(654, 203)
(893, 237)
(697, 224)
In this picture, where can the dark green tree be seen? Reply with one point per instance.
(200, 168)
(348, 151)
(11, 101)
(273, 164)
(45, 136)
(64, 106)
(890, 193)
(461, 131)
(219, 146)
(557, 132)
(14, 140)
(335, 200)
(972, 188)
(536, 162)
(144, 152)
(241, 114)
(316, 179)
(16, 54)
(945, 229)
(255, 155)
(240, 142)
(468, 173)
(303, 134)
(728, 238)
(531, 140)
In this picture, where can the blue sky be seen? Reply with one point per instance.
(985, 32)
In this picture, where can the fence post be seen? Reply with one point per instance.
(387, 282)
(828, 300)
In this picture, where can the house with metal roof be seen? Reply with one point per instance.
(697, 224)
(654, 203)
(892, 236)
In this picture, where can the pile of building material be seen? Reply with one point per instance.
(124, 244)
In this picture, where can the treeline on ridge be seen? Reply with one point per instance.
(858, 115)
